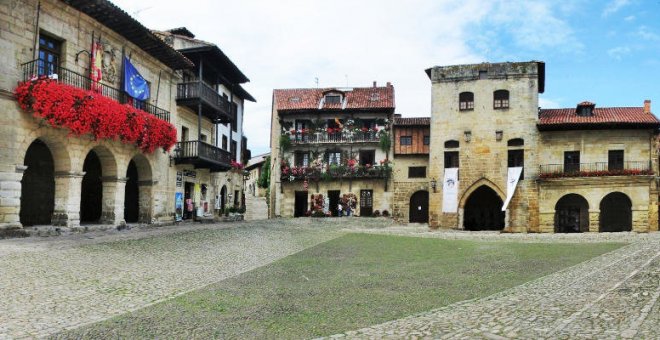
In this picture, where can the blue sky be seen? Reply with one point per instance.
(606, 51)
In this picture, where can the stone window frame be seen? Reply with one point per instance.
(466, 101)
(500, 99)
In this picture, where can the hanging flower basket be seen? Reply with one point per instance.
(86, 112)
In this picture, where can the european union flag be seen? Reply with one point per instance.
(134, 84)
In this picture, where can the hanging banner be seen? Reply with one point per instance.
(450, 191)
(511, 183)
(96, 67)
(178, 206)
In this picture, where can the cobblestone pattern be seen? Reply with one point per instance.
(609, 297)
(51, 284)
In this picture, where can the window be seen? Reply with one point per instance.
(301, 159)
(224, 142)
(332, 99)
(49, 55)
(451, 144)
(405, 140)
(416, 172)
(515, 142)
(233, 150)
(615, 160)
(516, 158)
(451, 159)
(427, 140)
(466, 101)
(501, 99)
(203, 138)
(367, 157)
(234, 117)
(184, 133)
(571, 161)
(333, 157)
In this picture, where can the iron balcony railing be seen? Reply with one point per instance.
(198, 150)
(198, 90)
(335, 172)
(38, 68)
(597, 169)
(334, 137)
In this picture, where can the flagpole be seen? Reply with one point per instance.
(123, 72)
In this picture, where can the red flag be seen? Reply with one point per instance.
(96, 67)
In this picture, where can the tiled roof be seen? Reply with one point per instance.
(356, 98)
(613, 117)
(413, 121)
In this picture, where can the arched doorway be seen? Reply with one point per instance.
(223, 197)
(37, 185)
(419, 207)
(483, 210)
(572, 214)
(615, 213)
(132, 194)
(91, 193)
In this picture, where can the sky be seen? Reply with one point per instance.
(607, 52)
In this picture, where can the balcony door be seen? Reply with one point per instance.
(615, 160)
(571, 161)
(366, 202)
(49, 55)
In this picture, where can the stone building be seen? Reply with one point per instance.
(255, 168)
(331, 146)
(50, 175)
(583, 168)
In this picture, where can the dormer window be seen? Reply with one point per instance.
(585, 109)
(466, 101)
(332, 99)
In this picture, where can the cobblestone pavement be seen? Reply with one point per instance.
(51, 284)
(609, 297)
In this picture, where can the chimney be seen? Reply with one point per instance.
(389, 84)
(647, 106)
(374, 83)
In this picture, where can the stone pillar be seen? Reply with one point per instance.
(10, 197)
(113, 200)
(68, 186)
(640, 222)
(146, 196)
(594, 220)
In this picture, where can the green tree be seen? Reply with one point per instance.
(264, 179)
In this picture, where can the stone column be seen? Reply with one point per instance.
(68, 186)
(10, 197)
(114, 189)
(594, 220)
(146, 196)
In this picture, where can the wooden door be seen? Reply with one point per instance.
(419, 207)
(366, 202)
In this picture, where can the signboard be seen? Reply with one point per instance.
(190, 173)
(450, 191)
(179, 179)
(511, 183)
(178, 206)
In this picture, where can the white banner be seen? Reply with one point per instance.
(450, 191)
(511, 183)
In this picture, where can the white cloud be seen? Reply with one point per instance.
(646, 34)
(614, 6)
(629, 18)
(619, 52)
(548, 103)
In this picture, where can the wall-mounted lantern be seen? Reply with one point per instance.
(434, 184)
(468, 136)
(498, 135)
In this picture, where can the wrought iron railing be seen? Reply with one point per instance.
(199, 90)
(39, 68)
(335, 172)
(334, 137)
(203, 150)
(597, 169)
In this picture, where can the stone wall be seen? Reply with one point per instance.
(405, 187)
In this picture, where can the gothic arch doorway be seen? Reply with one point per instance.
(572, 214)
(37, 185)
(615, 213)
(483, 210)
(419, 207)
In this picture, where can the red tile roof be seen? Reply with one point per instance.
(362, 98)
(610, 117)
(413, 121)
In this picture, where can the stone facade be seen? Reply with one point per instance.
(405, 186)
(156, 181)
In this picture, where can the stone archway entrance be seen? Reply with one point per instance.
(483, 210)
(132, 194)
(419, 207)
(91, 191)
(38, 186)
(223, 197)
(572, 214)
(615, 213)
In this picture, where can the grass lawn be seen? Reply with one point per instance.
(348, 283)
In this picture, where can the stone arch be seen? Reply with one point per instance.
(615, 213)
(37, 185)
(223, 197)
(58, 150)
(482, 209)
(138, 191)
(571, 214)
(475, 186)
(418, 211)
(100, 187)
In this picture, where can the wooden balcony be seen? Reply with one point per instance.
(597, 169)
(214, 106)
(202, 155)
(39, 68)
